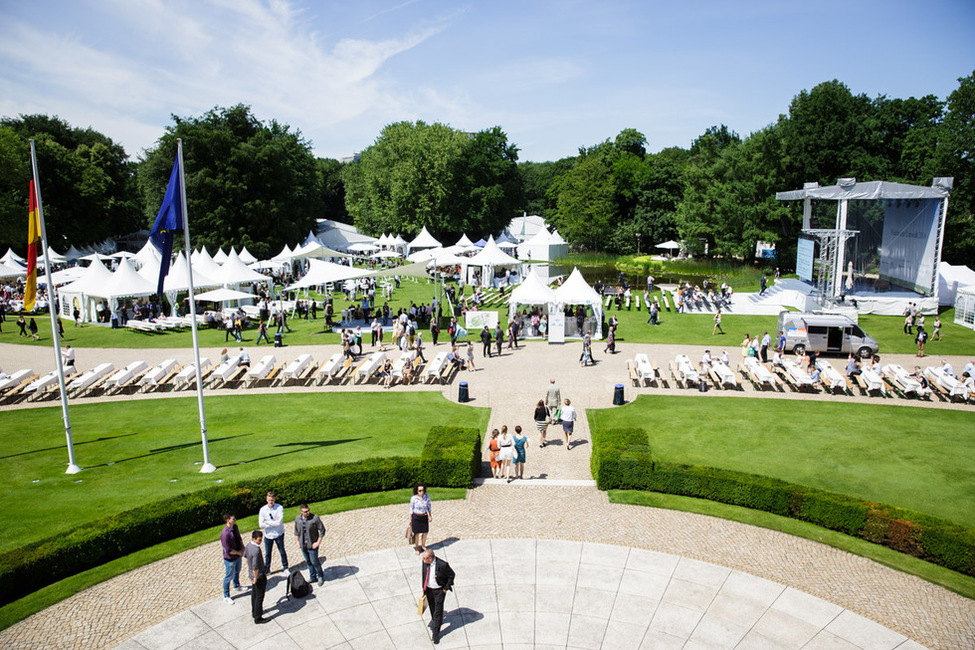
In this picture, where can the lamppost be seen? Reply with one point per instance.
(638, 235)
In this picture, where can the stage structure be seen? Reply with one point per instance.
(881, 249)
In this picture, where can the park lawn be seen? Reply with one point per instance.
(916, 458)
(138, 452)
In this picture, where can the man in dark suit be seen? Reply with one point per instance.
(438, 579)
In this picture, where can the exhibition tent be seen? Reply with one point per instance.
(423, 240)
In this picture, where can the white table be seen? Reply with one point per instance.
(831, 375)
(398, 366)
(724, 373)
(159, 372)
(188, 373)
(872, 379)
(762, 374)
(15, 379)
(298, 366)
(954, 387)
(436, 366)
(371, 365)
(91, 376)
(332, 366)
(798, 374)
(686, 369)
(127, 373)
(644, 368)
(262, 368)
(227, 368)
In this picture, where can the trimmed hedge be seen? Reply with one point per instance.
(450, 458)
(621, 460)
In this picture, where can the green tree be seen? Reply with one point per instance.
(585, 203)
(955, 156)
(87, 183)
(333, 189)
(419, 174)
(247, 183)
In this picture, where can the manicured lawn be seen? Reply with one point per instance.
(137, 452)
(921, 459)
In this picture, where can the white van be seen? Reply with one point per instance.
(825, 333)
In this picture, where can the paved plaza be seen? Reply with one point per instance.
(544, 562)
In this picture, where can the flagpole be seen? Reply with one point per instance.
(73, 467)
(207, 465)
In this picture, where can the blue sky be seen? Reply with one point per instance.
(554, 75)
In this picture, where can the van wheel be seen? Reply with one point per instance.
(799, 350)
(865, 352)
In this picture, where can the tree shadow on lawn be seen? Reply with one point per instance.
(163, 450)
(76, 444)
(302, 446)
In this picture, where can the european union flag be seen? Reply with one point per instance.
(169, 221)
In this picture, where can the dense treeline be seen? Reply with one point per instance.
(258, 183)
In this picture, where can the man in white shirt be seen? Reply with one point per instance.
(68, 354)
(271, 521)
(946, 368)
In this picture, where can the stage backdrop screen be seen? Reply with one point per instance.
(805, 251)
(910, 243)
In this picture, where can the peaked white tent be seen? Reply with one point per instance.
(321, 273)
(311, 239)
(286, 255)
(576, 291)
(464, 241)
(94, 279)
(235, 271)
(423, 240)
(73, 254)
(204, 266)
(951, 278)
(12, 259)
(316, 250)
(125, 282)
(11, 271)
(246, 257)
(489, 258)
(54, 257)
(543, 246)
(220, 257)
(148, 254)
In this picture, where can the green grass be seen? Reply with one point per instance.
(137, 452)
(920, 459)
(952, 580)
(57, 592)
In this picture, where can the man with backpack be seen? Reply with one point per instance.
(309, 532)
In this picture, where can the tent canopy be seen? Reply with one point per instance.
(223, 295)
(94, 279)
(576, 291)
(532, 291)
(235, 271)
(492, 255)
(246, 257)
(315, 250)
(423, 240)
(866, 190)
(11, 271)
(321, 273)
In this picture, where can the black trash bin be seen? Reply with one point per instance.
(462, 394)
(278, 340)
(618, 395)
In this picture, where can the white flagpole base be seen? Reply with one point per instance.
(72, 469)
(207, 468)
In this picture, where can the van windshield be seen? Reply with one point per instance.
(858, 332)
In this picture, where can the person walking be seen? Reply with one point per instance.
(309, 533)
(437, 579)
(610, 341)
(271, 520)
(717, 322)
(541, 422)
(421, 514)
(257, 570)
(32, 326)
(553, 400)
(507, 452)
(521, 441)
(22, 324)
(262, 333)
(937, 329)
(498, 337)
(921, 339)
(470, 356)
(233, 551)
(568, 416)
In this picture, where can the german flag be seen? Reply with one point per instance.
(33, 236)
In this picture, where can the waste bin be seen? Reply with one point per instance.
(462, 394)
(278, 340)
(618, 395)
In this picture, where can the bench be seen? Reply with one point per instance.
(666, 301)
(634, 375)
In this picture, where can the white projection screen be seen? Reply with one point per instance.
(910, 243)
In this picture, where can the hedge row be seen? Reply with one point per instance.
(929, 538)
(621, 459)
(450, 458)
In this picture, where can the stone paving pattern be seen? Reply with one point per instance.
(540, 508)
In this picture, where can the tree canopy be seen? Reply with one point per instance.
(248, 183)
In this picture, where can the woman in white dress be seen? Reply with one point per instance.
(507, 452)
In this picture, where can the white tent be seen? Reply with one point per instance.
(178, 280)
(543, 246)
(64, 276)
(385, 254)
(122, 255)
(148, 254)
(965, 307)
(12, 259)
(73, 254)
(321, 273)
(383, 240)
(464, 242)
(525, 226)
(423, 240)
(363, 247)
(576, 291)
(11, 271)
(951, 278)
(246, 257)
(220, 257)
(532, 291)
(96, 256)
(338, 235)
(54, 257)
(77, 294)
(286, 255)
(204, 266)
(235, 271)
(223, 295)
(124, 283)
(490, 258)
(316, 251)
(311, 239)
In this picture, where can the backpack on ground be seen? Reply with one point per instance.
(298, 587)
